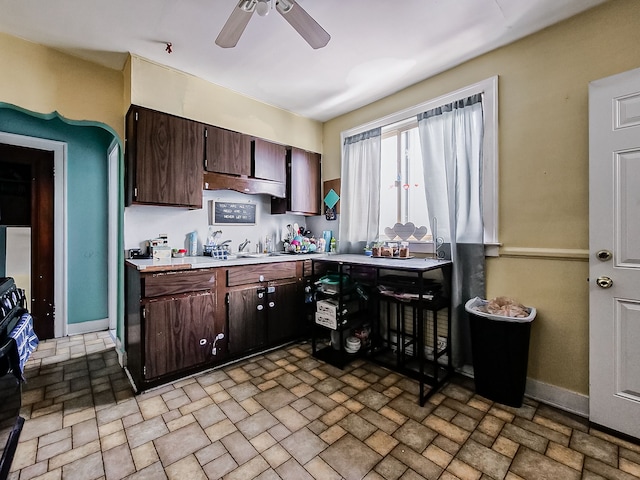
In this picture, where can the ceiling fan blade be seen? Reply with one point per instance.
(303, 23)
(236, 23)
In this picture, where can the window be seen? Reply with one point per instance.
(400, 136)
(402, 197)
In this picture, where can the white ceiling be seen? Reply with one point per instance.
(377, 47)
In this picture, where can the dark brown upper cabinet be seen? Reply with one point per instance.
(164, 156)
(303, 184)
(244, 164)
(269, 160)
(227, 152)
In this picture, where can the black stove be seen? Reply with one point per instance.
(12, 313)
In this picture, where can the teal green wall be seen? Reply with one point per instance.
(87, 205)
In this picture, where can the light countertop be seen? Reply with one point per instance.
(394, 263)
(186, 263)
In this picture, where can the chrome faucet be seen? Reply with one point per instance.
(242, 246)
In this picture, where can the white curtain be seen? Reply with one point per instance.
(451, 141)
(360, 191)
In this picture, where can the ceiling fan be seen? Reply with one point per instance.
(292, 12)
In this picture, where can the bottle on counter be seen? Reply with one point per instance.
(333, 245)
(193, 244)
(327, 235)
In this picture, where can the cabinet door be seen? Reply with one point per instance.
(269, 160)
(227, 152)
(286, 317)
(305, 178)
(178, 333)
(303, 184)
(169, 152)
(246, 319)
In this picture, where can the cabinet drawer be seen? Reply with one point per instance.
(307, 269)
(320, 268)
(174, 282)
(260, 273)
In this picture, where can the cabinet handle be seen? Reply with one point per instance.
(203, 342)
(214, 349)
(260, 307)
(261, 278)
(272, 304)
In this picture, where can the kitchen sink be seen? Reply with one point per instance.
(256, 255)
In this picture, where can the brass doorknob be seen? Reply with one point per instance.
(604, 282)
(604, 255)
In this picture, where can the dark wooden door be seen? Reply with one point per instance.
(247, 319)
(227, 152)
(169, 154)
(38, 164)
(269, 160)
(304, 175)
(179, 333)
(285, 313)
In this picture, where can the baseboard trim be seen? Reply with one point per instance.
(561, 398)
(87, 327)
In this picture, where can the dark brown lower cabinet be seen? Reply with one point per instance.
(173, 323)
(262, 315)
(179, 333)
(284, 312)
(183, 321)
(247, 319)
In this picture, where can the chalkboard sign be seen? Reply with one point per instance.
(234, 212)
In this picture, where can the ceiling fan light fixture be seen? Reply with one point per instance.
(262, 8)
(284, 6)
(236, 23)
(303, 23)
(248, 5)
(297, 17)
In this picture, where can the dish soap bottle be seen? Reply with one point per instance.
(332, 247)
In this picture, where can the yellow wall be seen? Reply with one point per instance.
(543, 168)
(44, 80)
(161, 88)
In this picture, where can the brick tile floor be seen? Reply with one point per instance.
(286, 415)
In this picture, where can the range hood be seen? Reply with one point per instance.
(249, 185)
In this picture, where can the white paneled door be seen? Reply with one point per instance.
(614, 245)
